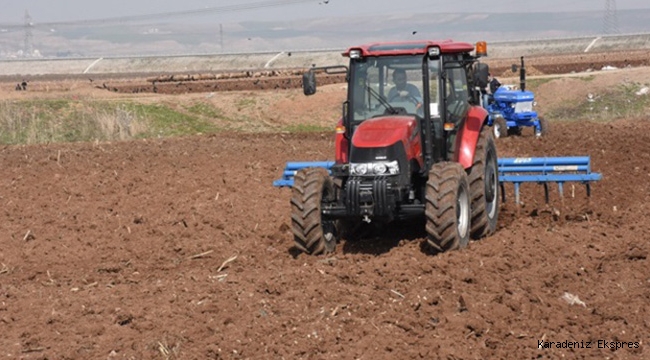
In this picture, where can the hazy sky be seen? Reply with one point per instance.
(46, 11)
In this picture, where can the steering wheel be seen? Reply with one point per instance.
(408, 97)
(418, 105)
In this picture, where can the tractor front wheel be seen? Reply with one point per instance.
(312, 234)
(447, 207)
(543, 128)
(500, 128)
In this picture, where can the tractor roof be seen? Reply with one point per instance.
(411, 48)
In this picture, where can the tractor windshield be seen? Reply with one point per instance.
(385, 86)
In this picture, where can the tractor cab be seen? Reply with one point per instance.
(434, 99)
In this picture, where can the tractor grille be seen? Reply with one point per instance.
(369, 196)
(352, 196)
(380, 189)
(524, 106)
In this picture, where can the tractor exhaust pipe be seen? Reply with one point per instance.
(522, 75)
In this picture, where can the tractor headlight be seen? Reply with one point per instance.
(359, 169)
(393, 167)
(379, 168)
(375, 168)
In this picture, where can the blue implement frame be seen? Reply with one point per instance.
(293, 166)
(541, 170)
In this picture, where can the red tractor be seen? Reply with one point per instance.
(412, 142)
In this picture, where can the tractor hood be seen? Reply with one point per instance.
(384, 131)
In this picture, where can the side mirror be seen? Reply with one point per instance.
(309, 83)
(514, 68)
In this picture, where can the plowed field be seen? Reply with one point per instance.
(180, 249)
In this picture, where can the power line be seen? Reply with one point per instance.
(168, 15)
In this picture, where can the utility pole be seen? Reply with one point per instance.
(28, 47)
(221, 36)
(610, 19)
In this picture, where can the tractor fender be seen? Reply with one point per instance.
(468, 135)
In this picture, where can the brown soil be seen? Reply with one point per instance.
(180, 249)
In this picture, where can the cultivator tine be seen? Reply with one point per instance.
(546, 196)
(517, 193)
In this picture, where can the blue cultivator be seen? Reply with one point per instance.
(542, 170)
(545, 170)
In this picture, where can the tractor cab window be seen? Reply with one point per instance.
(386, 86)
(456, 95)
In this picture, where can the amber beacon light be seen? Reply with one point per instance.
(481, 48)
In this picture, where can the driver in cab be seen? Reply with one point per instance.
(403, 90)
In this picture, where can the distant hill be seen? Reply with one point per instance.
(316, 33)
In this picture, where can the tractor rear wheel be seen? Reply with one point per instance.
(543, 125)
(447, 207)
(312, 234)
(484, 186)
(500, 128)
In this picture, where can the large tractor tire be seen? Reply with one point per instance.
(484, 186)
(543, 124)
(447, 207)
(312, 235)
(500, 127)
